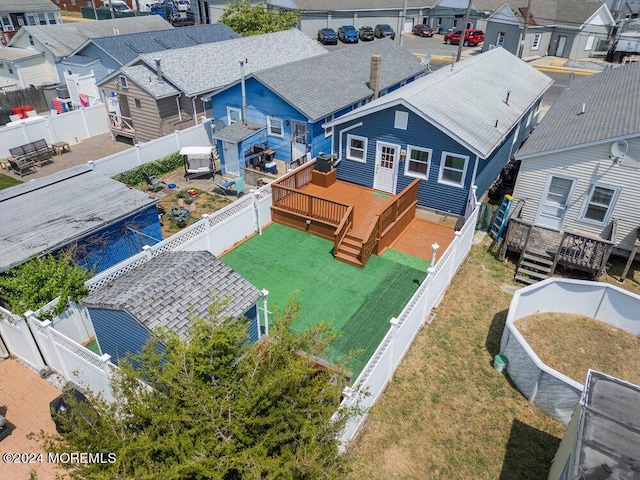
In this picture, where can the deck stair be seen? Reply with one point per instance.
(349, 251)
(533, 267)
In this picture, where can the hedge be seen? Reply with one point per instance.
(156, 168)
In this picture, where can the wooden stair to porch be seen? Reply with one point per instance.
(533, 267)
(349, 251)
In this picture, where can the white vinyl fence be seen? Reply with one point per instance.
(69, 127)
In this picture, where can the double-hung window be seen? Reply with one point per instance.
(600, 203)
(356, 148)
(275, 127)
(234, 115)
(453, 168)
(417, 162)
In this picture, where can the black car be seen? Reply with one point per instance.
(384, 30)
(366, 33)
(327, 36)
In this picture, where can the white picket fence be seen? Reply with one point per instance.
(68, 127)
(217, 233)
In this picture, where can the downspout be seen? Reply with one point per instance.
(178, 106)
(244, 92)
(193, 105)
(475, 171)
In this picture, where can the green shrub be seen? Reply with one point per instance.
(156, 168)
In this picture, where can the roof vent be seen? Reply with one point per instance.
(583, 109)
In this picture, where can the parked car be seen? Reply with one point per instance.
(423, 31)
(384, 30)
(348, 34)
(471, 37)
(366, 33)
(327, 36)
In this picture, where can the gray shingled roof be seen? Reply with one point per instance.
(147, 79)
(80, 60)
(50, 212)
(205, 68)
(608, 430)
(11, 54)
(238, 131)
(168, 289)
(612, 111)
(341, 78)
(125, 48)
(567, 13)
(20, 6)
(63, 39)
(467, 101)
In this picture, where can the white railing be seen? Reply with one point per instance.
(18, 339)
(383, 363)
(153, 150)
(67, 127)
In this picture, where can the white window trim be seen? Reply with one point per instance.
(407, 159)
(501, 35)
(365, 140)
(536, 41)
(123, 81)
(591, 39)
(587, 201)
(328, 132)
(401, 120)
(464, 170)
(233, 109)
(7, 23)
(269, 126)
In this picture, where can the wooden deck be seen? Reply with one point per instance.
(417, 238)
(366, 202)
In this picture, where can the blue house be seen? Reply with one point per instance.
(100, 220)
(453, 129)
(166, 292)
(288, 106)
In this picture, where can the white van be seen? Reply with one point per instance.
(118, 5)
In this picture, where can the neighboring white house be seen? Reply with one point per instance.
(580, 168)
(20, 68)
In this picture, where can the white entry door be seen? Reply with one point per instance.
(561, 43)
(553, 204)
(298, 141)
(387, 158)
(231, 161)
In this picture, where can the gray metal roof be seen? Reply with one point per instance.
(63, 39)
(125, 48)
(348, 5)
(238, 131)
(567, 13)
(340, 78)
(205, 68)
(466, 102)
(20, 6)
(169, 289)
(147, 79)
(608, 437)
(53, 211)
(612, 111)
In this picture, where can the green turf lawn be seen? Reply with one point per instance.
(359, 302)
(6, 181)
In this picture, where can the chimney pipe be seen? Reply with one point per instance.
(158, 70)
(507, 99)
(583, 109)
(376, 72)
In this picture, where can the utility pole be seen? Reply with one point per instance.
(524, 29)
(402, 18)
(463, 34)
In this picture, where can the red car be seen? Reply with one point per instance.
(471, 38)
(423, 31)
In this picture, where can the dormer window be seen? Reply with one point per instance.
(123, 82)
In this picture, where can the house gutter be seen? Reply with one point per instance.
(356, 125)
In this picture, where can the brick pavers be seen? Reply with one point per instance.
(24, 401)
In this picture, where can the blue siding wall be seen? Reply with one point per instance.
(118, 333)
(252, 330)
(380, 127)
(246, 144)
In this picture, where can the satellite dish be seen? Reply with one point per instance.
(425, 60)
(619, 148)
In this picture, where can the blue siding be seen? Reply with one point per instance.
(419, 133)
(118, 332)
(246, 144)
(106, 60)
(252, 330)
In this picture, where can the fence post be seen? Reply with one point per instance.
(265, 294)
(394, 332)
(148, 252)
(46, 326)
(427, 291)
(138, 154)
(256, 209)
(30, 338)
(106, 359)
(434, 252)
(453, 267)
(208, 232)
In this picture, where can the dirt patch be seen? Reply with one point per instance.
(205, 202)
(573, 343)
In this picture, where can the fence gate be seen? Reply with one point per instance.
(18, 339)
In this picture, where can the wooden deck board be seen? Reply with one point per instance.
(417, 238)
(366, 202)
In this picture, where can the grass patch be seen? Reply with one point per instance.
(448, 413)
(358, 302)
(572, 344)
(205, 202)
(6, 181)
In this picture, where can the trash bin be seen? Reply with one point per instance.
(324, 163)
(500, 363)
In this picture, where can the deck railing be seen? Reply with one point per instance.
(394, 217)
(299, 178)
(583, 252)
(343, 228)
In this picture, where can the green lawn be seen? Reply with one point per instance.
(359, 302)
(6, 181)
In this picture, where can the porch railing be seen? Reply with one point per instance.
(343, 228)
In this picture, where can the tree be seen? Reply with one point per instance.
(215, 407)
(247, 20)
(37, 282)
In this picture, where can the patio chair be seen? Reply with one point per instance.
(154, 184)
(230, 186)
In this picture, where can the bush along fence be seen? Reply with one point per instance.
(217, 233)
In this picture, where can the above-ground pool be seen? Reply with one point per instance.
(552, 391)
